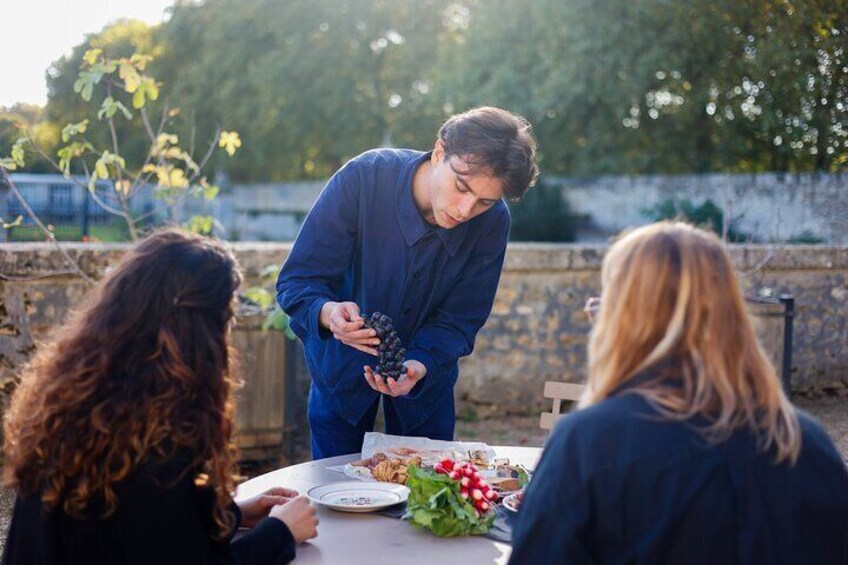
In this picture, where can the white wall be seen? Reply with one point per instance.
(770, 206)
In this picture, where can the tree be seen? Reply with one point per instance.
(659, 86)
(64, 104)
(27, 116)
(543, 215)
(611, 86)
(310, 83)
(120, 89)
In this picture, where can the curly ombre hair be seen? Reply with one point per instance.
(141, 373)
(672, 308)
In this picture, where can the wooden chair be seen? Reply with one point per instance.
(558, 392)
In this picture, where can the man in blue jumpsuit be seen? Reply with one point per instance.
(421, 238)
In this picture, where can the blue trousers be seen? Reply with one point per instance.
(332, 435)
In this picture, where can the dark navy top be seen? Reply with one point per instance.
(616, 484)
(161, 518)
(365, 241)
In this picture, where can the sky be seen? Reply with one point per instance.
(34, 33)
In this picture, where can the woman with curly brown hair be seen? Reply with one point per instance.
(119, 437)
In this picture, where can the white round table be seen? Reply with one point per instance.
(369, 538)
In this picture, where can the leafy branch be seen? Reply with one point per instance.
(171, 171)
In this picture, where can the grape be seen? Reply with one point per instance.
(389, 352)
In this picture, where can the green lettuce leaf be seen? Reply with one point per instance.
(435, 504)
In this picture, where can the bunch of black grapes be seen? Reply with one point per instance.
(389, 352)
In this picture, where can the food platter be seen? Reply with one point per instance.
(358, 496)
(513, 501)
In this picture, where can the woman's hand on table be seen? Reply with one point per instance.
(300, 518)
(255, 508)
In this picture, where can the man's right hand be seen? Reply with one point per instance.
(342, 319)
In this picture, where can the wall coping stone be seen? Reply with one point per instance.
(43, 259)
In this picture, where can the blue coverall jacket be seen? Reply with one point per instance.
(365, 241)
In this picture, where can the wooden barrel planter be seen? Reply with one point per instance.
(262, 420)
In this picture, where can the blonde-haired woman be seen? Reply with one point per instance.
(685, 449)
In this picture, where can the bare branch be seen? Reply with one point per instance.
(122, 198)
(178, 200)
(147, 125)
(193, 135)
(76, 181)
(37, 277)
(96, 198)
(760, 264)
(135, 183)
(208, 155)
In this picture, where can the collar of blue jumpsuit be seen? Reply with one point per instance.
(412, 223)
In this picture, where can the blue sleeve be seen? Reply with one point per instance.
(175, 517)
(451, 329)
(555, 518)
(314, 270)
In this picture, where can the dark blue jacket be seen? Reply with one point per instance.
(365, 241)
(617, 484)
(161, 518)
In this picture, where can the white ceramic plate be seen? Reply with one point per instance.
(358, 496)
(513, 501)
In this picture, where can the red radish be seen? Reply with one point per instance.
(472, 486)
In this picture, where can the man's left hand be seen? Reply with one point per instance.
(415, 371)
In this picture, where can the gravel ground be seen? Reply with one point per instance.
(832, 412)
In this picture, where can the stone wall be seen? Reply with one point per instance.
(536, 332)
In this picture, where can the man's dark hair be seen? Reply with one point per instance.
(497, 141)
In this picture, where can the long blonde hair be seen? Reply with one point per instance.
(671, 299)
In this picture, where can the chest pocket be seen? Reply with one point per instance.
(447, 280)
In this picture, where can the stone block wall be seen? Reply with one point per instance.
(537, 330)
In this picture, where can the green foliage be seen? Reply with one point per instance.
(263, 298)
(319, 80)
(202, 225)
(175, 171)
(17, 119)
(706, 215)
(543, 215)
(435, 504)
(806, 237)
(611, 86)
(119, 41)
(11, 224)
(658, 86)
(112, 232)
